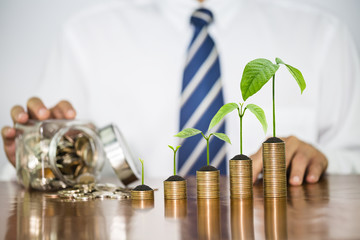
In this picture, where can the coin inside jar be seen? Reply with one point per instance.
(74, 157)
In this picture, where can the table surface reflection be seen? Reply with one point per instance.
(326, 210)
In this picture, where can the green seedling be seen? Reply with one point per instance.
(258, 72)
(142, 171)
(229, 107)
(174, 150)
(189, 132)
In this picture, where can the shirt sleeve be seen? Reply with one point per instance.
(66, 73)
(339, 103)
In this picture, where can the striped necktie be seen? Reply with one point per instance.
(201, 98)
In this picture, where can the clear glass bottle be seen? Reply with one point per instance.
(56, 154)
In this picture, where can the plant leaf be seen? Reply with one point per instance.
(171, 147)
(142, 161)
(296, 74)
(260, 115)
(227, 108)
(256, 74)
(188, 132)
(177, 148)
(223, 137)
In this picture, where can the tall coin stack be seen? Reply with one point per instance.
(241, 178)
(175, 189)
(274, 168)
(208, 184)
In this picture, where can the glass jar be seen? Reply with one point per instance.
(56, 154)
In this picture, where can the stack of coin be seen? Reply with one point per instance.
(175, 208)
(241, 178)
(208, 184)
(274, 169)
(175, 189)
(142, 195)
(86, 192)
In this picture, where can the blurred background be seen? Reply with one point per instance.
(28, 30)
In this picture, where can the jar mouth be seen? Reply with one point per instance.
(75, 152)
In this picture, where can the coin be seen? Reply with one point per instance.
(208, 184)
(274, 175)
(241, 178)
(175, 189)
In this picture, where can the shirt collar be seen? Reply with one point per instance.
(178, 12)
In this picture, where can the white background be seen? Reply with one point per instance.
(29, 28)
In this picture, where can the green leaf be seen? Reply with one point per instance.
(223, 137)
(177, 148)
(260, 115)
(188, 132)
(279, 61)
(171, 147)
(296, 74)
(227, 108)
(256, 74)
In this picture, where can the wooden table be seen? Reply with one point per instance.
(327, 210)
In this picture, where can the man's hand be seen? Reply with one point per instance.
(304, 161)
(35, 110)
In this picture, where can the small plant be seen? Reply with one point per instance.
(229, 107)
(189, 132)
(142, 171)
(258, 72)
(174, 150)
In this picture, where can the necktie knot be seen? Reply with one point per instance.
(201, 17)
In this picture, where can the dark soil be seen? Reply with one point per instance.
(208, 168)
(273, 140)
(241, 157)
(143, 188)
(175, 178)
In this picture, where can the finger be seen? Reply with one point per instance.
(298, 168)
(63, 109)
(316, 168)
(8, 134)
(291, 145)
(19, 115)
(257, 163)
(37, 109)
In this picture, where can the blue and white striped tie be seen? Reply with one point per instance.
(201, 98)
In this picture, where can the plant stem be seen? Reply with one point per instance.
(142, 173)
(273, 98)
(174, 163)
(241, 135)
(240, 115)
(207, 150)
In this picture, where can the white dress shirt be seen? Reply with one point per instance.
(122, 62)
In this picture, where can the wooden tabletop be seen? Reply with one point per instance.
(326, 210)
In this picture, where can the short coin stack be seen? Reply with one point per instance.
(208, 184)
(175, 189)
(241, 178)
(142, 195)
(274, 169)
(86, 192)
